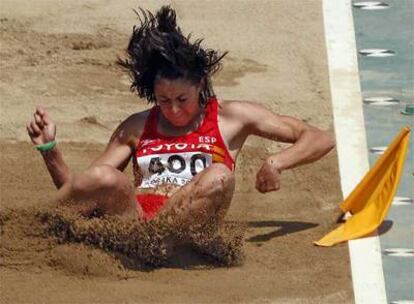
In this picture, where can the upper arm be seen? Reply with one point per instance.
(122, 142)
(258, 120)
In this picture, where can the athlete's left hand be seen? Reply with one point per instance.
(268, 177)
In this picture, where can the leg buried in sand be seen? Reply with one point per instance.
(192, 215)
(207, 197)
(103, 190)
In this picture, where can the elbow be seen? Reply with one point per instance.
(327, 141)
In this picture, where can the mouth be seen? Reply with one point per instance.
(179, 122)
(177, 118)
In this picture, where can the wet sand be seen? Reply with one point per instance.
(62, 55)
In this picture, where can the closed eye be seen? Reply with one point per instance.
(182, 99)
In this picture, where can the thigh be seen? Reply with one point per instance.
(101, 189)
(207, 196)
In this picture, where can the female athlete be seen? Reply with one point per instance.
(185, 147)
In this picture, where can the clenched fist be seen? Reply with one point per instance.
(268, 177)
(41, 129)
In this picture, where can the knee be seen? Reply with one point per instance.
(99, 177)
(220, 178)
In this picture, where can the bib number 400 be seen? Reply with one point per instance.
(177, 164)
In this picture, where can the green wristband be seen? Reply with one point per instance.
(47, 146)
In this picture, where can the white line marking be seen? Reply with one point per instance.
(400, 252)
(376, 53)
(365, 253)
(366, 3)
(371, 5)
(378, 150)
(402, 201)
(381, 101)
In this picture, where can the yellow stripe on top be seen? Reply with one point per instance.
(218, 158)
(219, 151)
(218, 154)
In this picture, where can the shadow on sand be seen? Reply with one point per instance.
(283, 228)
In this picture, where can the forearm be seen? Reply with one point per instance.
(310, 146)
(57, 167)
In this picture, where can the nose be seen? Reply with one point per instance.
(175, 108)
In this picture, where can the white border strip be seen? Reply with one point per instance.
(365, 253)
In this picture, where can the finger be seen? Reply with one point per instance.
(44, 115)
(39, 121)
(267, 186)
(261, 186)
(261, 178)
(272, 188)
(261, 189)
(46, 119)
(35, 128)
(265, 189)
(258, 183)
(40, 110)
(29, 129)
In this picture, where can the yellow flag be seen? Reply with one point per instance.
(370, 200)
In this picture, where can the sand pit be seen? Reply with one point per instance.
(62, 55)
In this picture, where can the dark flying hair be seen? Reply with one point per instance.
(158, 49)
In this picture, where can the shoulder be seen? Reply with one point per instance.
(136, 120)
(246, 112)
(131, 128)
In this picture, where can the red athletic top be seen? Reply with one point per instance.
(177, 159)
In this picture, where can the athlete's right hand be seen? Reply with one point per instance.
(41, 129)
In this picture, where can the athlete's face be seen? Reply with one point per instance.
(178, 100)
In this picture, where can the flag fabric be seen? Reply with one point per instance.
(370, 200)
